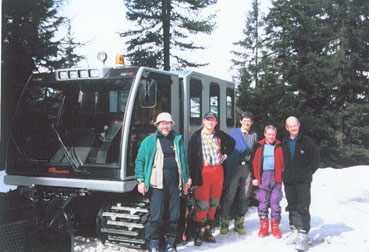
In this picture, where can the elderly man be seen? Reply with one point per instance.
(161, 169)
(301, 159)
(207, 150)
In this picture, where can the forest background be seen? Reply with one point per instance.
(304, 58)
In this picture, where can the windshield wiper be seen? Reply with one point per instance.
(23, 154)
(60, 111)
(74, 162)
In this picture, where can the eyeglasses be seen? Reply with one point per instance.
(165, 123)
(246, 121)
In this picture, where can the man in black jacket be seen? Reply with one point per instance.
(207, 150)
(301, 159)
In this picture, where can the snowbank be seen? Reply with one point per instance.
(339, 210)
(340, 218)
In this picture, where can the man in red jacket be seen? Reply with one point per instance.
(266, 170)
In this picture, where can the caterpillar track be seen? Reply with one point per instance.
(123, 223)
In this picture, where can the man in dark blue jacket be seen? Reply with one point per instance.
(238, 176)
(301, 159)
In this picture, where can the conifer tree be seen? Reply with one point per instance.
(349, 65)
(67, 56)
(315, 67)
(164, 27)
(248, 58)
(259, 87)
(28, 44)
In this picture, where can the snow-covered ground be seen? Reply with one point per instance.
(340, 219)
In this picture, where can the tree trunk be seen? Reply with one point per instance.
(166, 32)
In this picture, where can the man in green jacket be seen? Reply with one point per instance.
(162, 171)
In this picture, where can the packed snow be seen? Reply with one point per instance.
(339, 219)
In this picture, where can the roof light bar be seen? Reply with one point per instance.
(76, 74)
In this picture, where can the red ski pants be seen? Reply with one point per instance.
(208, 195)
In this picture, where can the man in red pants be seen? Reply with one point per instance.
(207, 150)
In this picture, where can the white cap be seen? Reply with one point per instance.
(164, 116)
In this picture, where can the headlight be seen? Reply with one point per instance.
(63, 75)
(83, 74)
(80, 74)
(73, 74)
(94, 73)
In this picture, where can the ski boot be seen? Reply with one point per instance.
(264, 227)
(154, 246)
(208, 236)
(238, 225)
(275, 229)
(292, 237)
(224, 225)
(302, 241)
(170, 244)
(199, 238)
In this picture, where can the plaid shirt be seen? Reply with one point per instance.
(211, 157)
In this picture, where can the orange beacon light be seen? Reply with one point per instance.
(119, 60)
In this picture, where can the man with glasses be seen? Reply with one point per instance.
(161, 171)
(207, 150)
(237, 185)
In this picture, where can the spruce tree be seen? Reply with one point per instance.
(248, 58)
(259, 87)
(321, 48)
(67, 56)
(314, 65)
(28, 45)
(349, 80)
(164, 26)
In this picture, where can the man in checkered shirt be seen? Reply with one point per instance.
(207, 150)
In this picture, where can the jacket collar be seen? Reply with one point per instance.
(170, 135)
(249, 133)
(262, 142)
(299, 136)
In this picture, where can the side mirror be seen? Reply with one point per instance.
(148, 90)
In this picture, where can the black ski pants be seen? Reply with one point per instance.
(164, 207)
(238, 190)
(298, 197)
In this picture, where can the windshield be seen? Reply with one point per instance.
(70, 123)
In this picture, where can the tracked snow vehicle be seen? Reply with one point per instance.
(75, 136)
